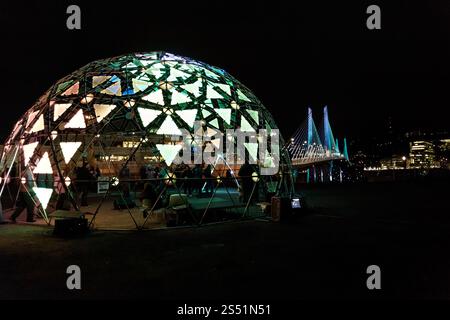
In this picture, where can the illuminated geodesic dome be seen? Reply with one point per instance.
(122, 111)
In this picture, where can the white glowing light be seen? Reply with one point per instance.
(59, 109)
(155, 97)
(193, 88)
(130, 104)
(89, 97)
(115, 181)
(148, 115)
(252, 148)
(169, 152)
(254, 115)
(224, 87)
(225, 114)
(179, 97)
(242, 96)
(245, 125)
(171, 178)
(139, 85)
(44, 166)
(214, 123)
(167, 110)
(28, 151)
(77, 121)
(188, 116)
(212, 94)
(166, 85)
(102, 110)
(38, 125)
(174, 74)
(68, 149)
(169, 127)
(44, 195)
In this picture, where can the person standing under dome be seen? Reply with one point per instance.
(25, 199)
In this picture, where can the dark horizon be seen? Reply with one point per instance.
(291, 57)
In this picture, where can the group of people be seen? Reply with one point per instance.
(191, 180)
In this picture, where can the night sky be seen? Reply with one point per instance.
(291, 56)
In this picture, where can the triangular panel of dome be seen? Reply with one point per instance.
(216, 142)
(193, 88)
(245, 125)
(130, 66)
(38, 125)
(59, 109)
(268, 128)
(148, 115)
(188, 116)
(225, 114)
(28, 151)
(169, 152)
(77, 121)
(254, 114)
(208, 73)
(44, 166)
(146, 62)
(74, 89)
(205, 113)
(68, 149)
(214, 123)
(114, 89)
(169, 127)
(209, 103)
(170, 64)
(179, 97)
(98, 80)
(155, 97)
(31, 118)
(175, 73)
(211, 74)
(156, 70)
(224, 87)
(187, 68)
(210, 132)
(44, 195)
(140, 85)
(212, 94)
(102, 110)
(252, 148)
(242, 96)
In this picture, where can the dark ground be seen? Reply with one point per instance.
(403, 228)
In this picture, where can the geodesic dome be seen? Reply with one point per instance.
(121, 112)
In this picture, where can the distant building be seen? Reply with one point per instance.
(445, 145)
(422, 154)
(394, 162)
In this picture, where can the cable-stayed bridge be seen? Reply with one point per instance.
(313, 148)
